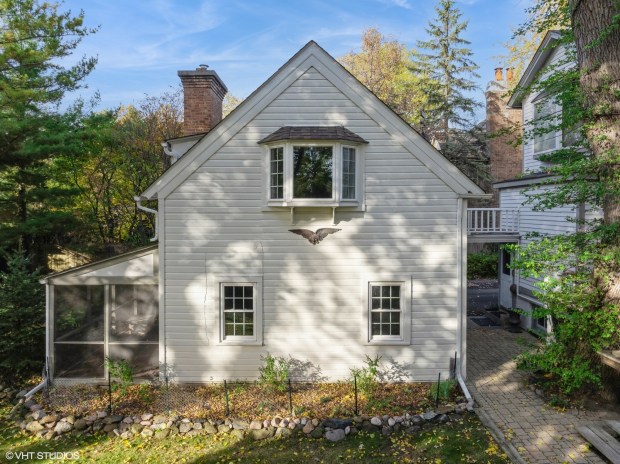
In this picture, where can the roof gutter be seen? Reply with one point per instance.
(138, 201)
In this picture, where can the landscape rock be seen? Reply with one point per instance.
(261, 434)
(136, 428)
(147, 433)
(112, 419)
(209, 428)
(63, 427)
(308, 428)
(284, 432)
(160, 434)
(256, 425)
(337, 423)
(34, 426)
(317, 432)
(185, 427)
(376, 421)
(38, 414)
(335, 435)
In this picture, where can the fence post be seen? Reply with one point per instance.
(355, 388)
(437, 393)
(290, 398)
(167, 395)
(226, 396)
(109, 394)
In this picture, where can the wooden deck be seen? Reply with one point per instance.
(605, 437)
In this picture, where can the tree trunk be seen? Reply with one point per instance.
(597, 39)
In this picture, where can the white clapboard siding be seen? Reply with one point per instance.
(549, 222)
(312, 295)
(556, 59)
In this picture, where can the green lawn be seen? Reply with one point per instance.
(465, 440)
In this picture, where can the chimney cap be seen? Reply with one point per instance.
(202, 72)
(499, 74)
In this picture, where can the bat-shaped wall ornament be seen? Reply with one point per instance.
(314, 237)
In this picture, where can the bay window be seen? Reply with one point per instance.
(313, 166)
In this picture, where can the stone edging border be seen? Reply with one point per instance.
(32, 418)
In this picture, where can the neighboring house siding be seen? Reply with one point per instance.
(549, 222)
(312, 295)
(530, 163)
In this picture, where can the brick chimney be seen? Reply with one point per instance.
(203, 94)
(505, 159)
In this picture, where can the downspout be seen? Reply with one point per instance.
(461, 225)
(138, 201)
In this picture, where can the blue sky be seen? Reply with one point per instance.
(142, 44)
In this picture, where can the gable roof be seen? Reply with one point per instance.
(312, 55)
(313, 133)
(537, 62)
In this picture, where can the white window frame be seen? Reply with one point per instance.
(215, 288)
(544, 98)
(337, 178)
(404, 281)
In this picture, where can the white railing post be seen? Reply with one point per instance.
(492, 220)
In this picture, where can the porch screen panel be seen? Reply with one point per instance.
(134, 327)
(79, 331)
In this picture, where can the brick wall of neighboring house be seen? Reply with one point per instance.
(203, 94)
(505, 160)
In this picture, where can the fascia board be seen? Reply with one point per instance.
(535, 65)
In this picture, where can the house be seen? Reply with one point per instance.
(242, 268)
(516, 291)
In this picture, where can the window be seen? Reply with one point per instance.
(277, 173)
(387, 312)
(238, 305)
(506, 258)
(545, 117)
(348, 173)
(309, 174)
(312, 172)
(237, 309)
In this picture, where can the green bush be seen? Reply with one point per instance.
(482, 265)
(22, 321)
(367, 377)
(121, 372)
(275, 372)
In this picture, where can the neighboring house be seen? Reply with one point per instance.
(517, 291)
(311, 148)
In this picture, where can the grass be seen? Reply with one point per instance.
(463, 440)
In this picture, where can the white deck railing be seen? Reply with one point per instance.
(492, 220)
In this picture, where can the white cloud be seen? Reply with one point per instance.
(400, 3)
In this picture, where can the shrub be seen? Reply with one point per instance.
(482, 265)
(445, 388)
(367, 377)
(121, 372)
(275, 372)
(22, 321)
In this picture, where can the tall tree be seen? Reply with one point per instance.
(581, 271)
(383, 65)
(35, 37)
(448, 61)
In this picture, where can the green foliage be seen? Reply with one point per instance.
(36, 41)
(448, 62)
(577, 271)
(121, 372)
(22, 321)
(275, 372)
(367, 377)
(445, 389)
(482, 265)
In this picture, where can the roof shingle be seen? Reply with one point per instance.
(313, 133)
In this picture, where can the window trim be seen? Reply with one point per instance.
(215, 286)
(337, 174)
(405, 282)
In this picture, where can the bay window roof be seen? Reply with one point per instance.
(335, 133)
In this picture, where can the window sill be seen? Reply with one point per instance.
(239, 342)
(278, 205)
(387, 342)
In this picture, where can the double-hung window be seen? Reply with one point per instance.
(237, 305)
(388, 311)
(546, 117)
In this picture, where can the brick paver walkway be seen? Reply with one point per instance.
(538, 432)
